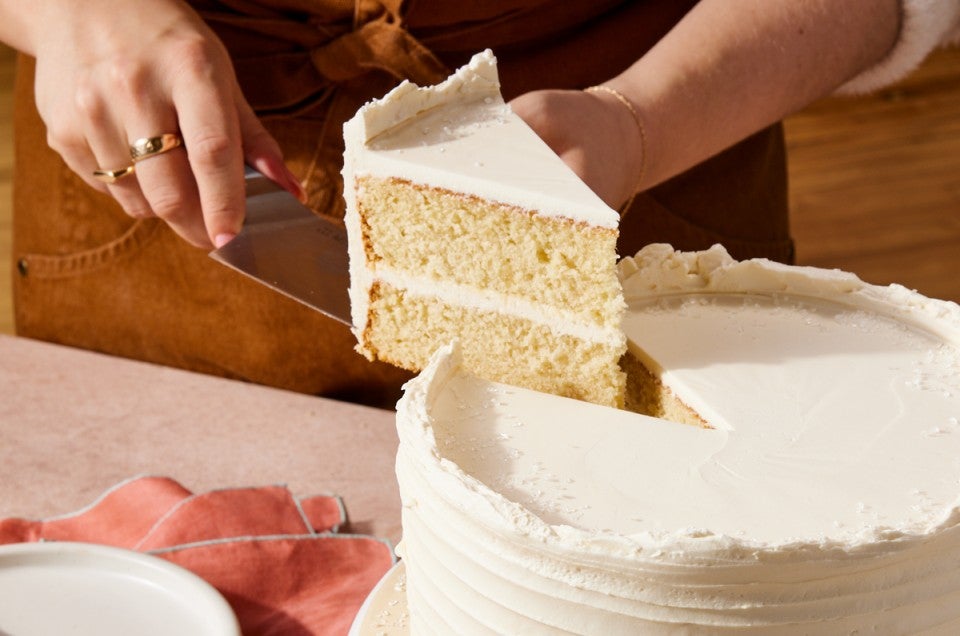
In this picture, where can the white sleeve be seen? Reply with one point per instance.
(925, 25)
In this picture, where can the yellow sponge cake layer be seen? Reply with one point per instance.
(442, 235)
(646, 394)
(404, 327)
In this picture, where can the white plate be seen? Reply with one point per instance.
(384, 613)
(81, 589)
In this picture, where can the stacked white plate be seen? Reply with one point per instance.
(80, 589)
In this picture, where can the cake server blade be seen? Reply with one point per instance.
(286, 247)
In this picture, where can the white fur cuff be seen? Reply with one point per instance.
(925, 25)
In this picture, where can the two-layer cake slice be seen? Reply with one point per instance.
(464, 225)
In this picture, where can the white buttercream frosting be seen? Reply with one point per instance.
(560, 321)
(460, 135)
(825, 500)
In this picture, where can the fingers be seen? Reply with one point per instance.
(197, 188)
(168, 185)
(594, 134)
(263, 153)
(182, 83)
(142, 108)
(102, 135)
(211, 132)
(68, 139)
(221, 132)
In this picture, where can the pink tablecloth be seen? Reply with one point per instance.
(74, 423)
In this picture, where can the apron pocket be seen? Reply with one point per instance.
(51, 266)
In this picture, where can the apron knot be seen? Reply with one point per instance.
(378, 44)
(290, 58)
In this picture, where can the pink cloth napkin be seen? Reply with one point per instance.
(280, 561)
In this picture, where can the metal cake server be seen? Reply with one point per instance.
(286, 247)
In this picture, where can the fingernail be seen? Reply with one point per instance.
(294, 186)
(222, 239)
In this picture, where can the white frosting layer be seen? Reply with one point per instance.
(825, 501)
(560, 321)
(458, 135)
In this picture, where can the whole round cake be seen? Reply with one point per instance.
(817, 491)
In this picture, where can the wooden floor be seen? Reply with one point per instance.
(875, 182)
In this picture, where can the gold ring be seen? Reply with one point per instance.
(112, 176)
(146, 147)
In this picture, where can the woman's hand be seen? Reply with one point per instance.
(110, 73)
(593, 133)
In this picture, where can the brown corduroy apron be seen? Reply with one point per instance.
(89, 276)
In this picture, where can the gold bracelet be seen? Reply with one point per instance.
(643, 136)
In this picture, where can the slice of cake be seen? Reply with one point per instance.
(464, 225)
(823, 499)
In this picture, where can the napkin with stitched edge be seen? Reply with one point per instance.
(280, 561)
